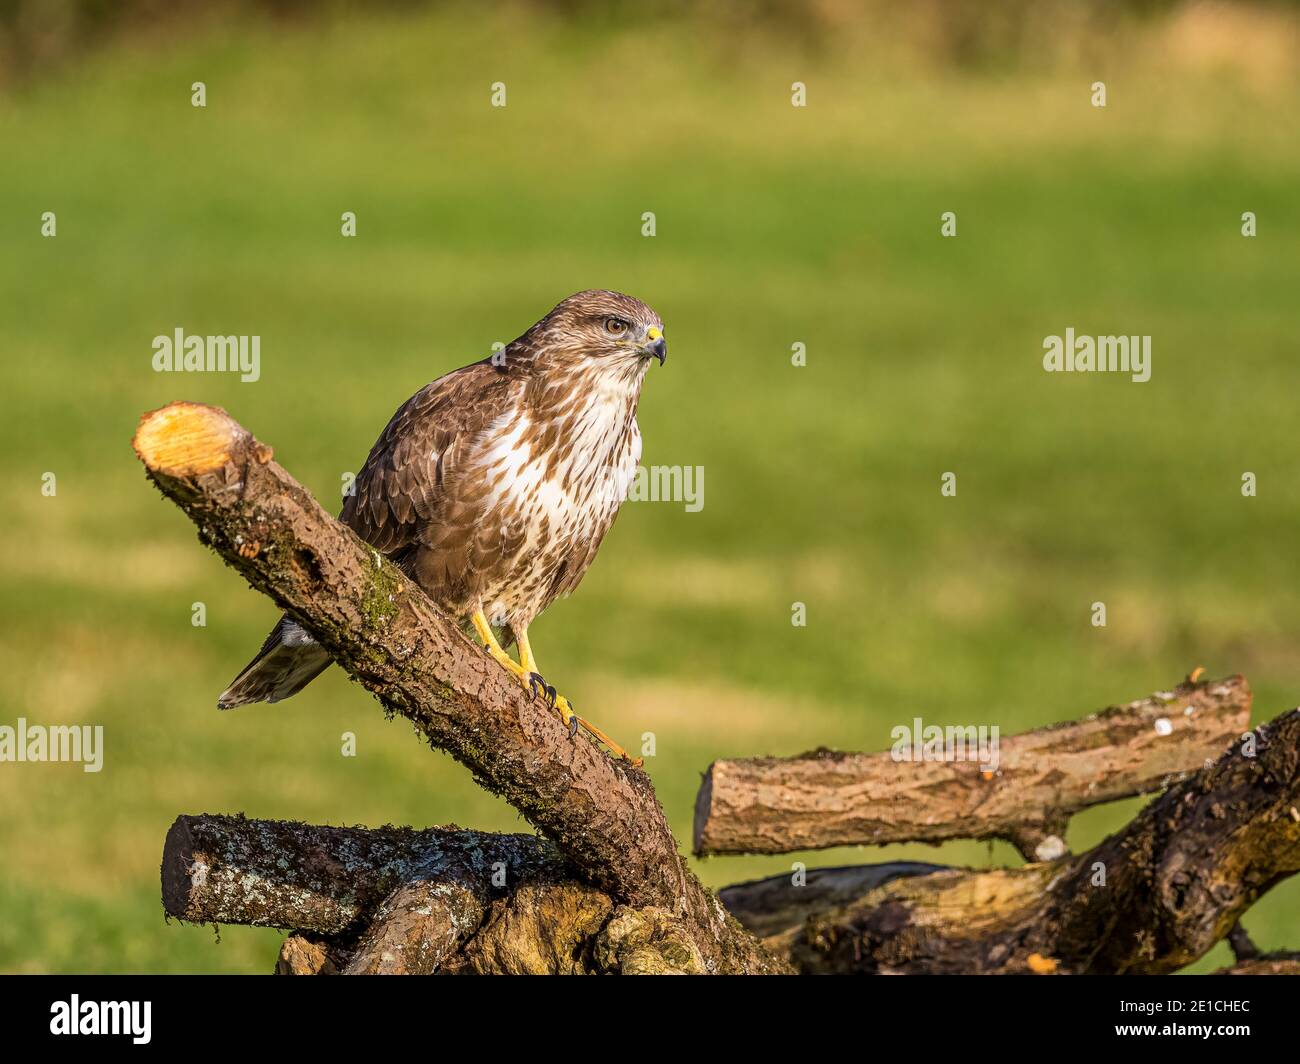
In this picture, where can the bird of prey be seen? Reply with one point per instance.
(493, 487)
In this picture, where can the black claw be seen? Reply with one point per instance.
(573, 727)
(536, 683)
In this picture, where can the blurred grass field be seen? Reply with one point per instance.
(775, 225)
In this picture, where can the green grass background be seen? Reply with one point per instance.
(775, 225)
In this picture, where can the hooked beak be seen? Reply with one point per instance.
(655, 346)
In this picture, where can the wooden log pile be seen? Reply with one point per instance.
(603, 888)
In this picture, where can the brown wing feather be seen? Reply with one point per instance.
(408, 480)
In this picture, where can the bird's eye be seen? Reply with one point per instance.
(616, 326)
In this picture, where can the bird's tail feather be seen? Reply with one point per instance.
(288, 661)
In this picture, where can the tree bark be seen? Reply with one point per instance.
(399, 901)
(770, 907)
(1270, 964)
(419, 927)
(602, 815)
(1150, 899)
(328, 880)
(822, 799)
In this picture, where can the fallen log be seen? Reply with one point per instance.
(1150, 899)
(419, 926)
(823, 799)
(329, 880)
(770, 907)
(401, 901)
(602, 815)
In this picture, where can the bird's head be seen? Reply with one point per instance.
(600, 332)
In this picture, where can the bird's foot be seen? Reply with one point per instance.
(505, 661)
(537, 685)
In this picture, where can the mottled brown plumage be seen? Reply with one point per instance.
(494, 486)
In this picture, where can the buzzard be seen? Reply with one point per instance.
(493, 487)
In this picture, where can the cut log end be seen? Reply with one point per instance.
(187, 439)
(703, 810)
(178, 869)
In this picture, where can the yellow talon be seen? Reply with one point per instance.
(528, 663)
(526, 672)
